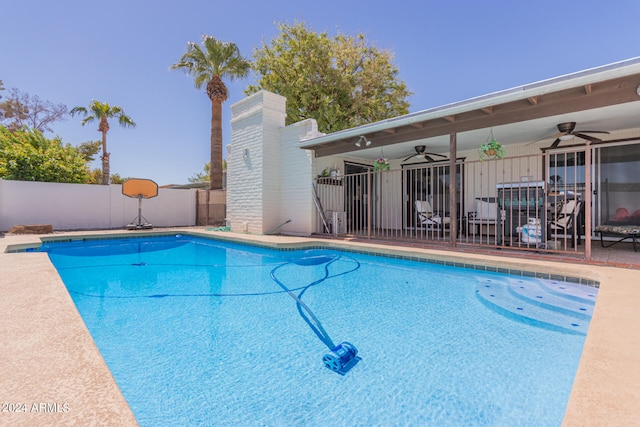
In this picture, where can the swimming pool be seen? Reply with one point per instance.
(198, 332)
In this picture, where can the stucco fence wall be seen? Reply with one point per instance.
(90, 207)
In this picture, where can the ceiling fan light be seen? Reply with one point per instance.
(566, 137)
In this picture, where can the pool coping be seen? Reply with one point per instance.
(47, 345)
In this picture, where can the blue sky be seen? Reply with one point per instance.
(120, 51)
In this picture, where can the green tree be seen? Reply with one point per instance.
(208, 65)
(26, 155)
(95, 177)
(341, 82)
(102, 112)
(204, 175)
(88, 150)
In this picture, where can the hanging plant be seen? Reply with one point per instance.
(381, 164)
(491, 150)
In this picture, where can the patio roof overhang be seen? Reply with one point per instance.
(603, 98)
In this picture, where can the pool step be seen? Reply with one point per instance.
(540, 294)
(552, 305)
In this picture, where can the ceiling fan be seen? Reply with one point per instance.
(421, 154)
(566, 131)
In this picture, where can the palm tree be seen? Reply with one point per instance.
(209, 64)
(102, 111)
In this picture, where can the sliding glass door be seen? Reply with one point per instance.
(617, 184)
(615, 181)
(430, 182)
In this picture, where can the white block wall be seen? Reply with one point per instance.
(246, 160)
(296, 179)
(89, 207)
(269, 176)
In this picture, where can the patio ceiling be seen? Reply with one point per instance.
(606, 98)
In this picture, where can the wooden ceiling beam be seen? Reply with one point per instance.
(487, 110)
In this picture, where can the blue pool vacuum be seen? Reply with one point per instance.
(342, 358)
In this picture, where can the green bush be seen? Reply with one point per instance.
(26, 155)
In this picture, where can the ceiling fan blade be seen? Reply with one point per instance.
(555, 143)
(588, 137)
(555, 135)
(533, 142)
(429, 157)
(590, 131)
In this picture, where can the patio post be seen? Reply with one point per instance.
(453, 196)
(369, 197)
(587, 201)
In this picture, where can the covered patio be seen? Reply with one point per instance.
(572, 148)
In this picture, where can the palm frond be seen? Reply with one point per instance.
(125, 121)
(102, 110)
(86, 120)
(214, 58)
(78, 110)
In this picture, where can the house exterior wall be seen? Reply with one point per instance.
(89, 207)
(244, 166)
(272, 183)
(296, 180)
(273, 121)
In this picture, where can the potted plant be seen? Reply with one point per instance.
(381, 164)
(491, 150)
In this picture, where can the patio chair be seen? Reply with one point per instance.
(430, 219)
(486, 213)
(565, 222)
(621, 232)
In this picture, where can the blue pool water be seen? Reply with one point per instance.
(199, 332)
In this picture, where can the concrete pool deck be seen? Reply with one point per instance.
(53, 374)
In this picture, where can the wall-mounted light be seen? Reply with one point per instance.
(362, 139)
(245, 153)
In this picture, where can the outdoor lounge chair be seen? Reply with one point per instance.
(622, 231)
(565, 223)
(428, 218)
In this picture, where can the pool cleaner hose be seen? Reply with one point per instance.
(342, 357)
